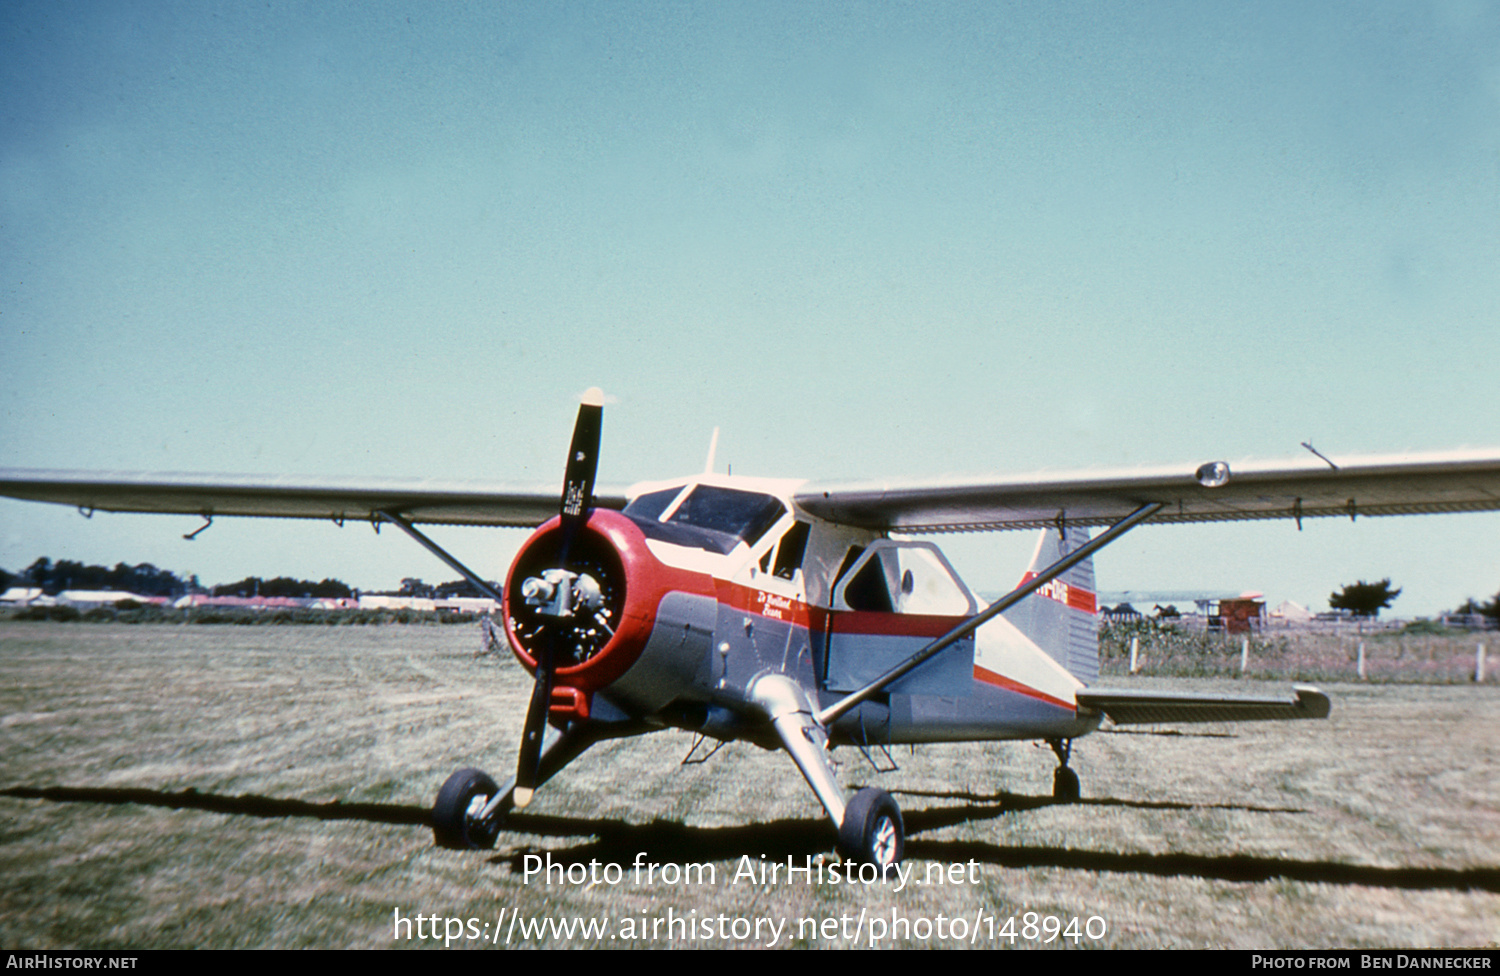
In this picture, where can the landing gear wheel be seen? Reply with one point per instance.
(452, 825)
(872, 831)
(1065, 785)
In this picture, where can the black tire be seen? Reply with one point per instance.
(872, 831)
(1065, 786)
(451, 826)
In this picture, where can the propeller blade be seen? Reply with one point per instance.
(583, 462)
(573, 508)
(528, 763)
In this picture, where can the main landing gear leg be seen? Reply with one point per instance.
(1065, 787)
(869, 823)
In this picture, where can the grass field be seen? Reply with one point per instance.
(1400, 656)
(269, 787)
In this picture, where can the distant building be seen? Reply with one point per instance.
(1239, 616)
(87, 599)
(1232, 614)
(1289, 612)
(376, 601)
(253, 602)
(468, 604)
(453, 604)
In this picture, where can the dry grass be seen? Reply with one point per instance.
(314, 754)
(1391, 656)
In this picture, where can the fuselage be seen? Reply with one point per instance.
(711, 582)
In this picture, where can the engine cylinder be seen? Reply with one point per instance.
(597, 643)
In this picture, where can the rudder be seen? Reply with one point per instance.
(1062, 618)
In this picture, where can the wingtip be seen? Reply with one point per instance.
(1312, 701)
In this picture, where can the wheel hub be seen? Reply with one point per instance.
(884, 848)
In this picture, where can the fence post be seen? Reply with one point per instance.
(1361, 668)
(1135, 647)
(1244, 654)
(1479, 663)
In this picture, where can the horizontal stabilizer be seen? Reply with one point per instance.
(1137, 707)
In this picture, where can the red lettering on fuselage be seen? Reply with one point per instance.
(1072, 596)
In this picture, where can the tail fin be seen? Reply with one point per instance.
(1062, 618)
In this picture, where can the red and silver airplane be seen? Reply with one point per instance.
(802, 616)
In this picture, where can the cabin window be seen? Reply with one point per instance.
(793, 546)
(902, 577)
(928, 584)
(867, 589)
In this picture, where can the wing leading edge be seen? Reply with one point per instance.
(1412, 484)
(418, 500)
(1131, 707)
(1464, 481)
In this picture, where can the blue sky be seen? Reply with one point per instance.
(865, 240)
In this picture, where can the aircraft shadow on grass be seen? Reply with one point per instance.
(249, 804)
(662, 841)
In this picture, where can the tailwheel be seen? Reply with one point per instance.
(872, 831)
(1065, 787)
(455, 823)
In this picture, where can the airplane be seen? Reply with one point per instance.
(801, 616)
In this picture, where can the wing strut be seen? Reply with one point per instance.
(439, 552)
(832, 712)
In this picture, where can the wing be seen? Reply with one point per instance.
(1461, 481)
(423, 501)
(1138, 707)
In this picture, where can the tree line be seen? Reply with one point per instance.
(145, 579)
(1364, 599)
(1361, 599)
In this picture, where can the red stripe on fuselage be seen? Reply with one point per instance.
(748, 599)
(876, 624)
(1009, 684)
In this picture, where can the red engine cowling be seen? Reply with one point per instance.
(593, 650)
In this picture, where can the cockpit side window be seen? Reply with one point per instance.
(791, 550)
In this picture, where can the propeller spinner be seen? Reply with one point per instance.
(561, 592)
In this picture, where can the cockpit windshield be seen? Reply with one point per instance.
(707, 517)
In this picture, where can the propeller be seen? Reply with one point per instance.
(559, 592)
